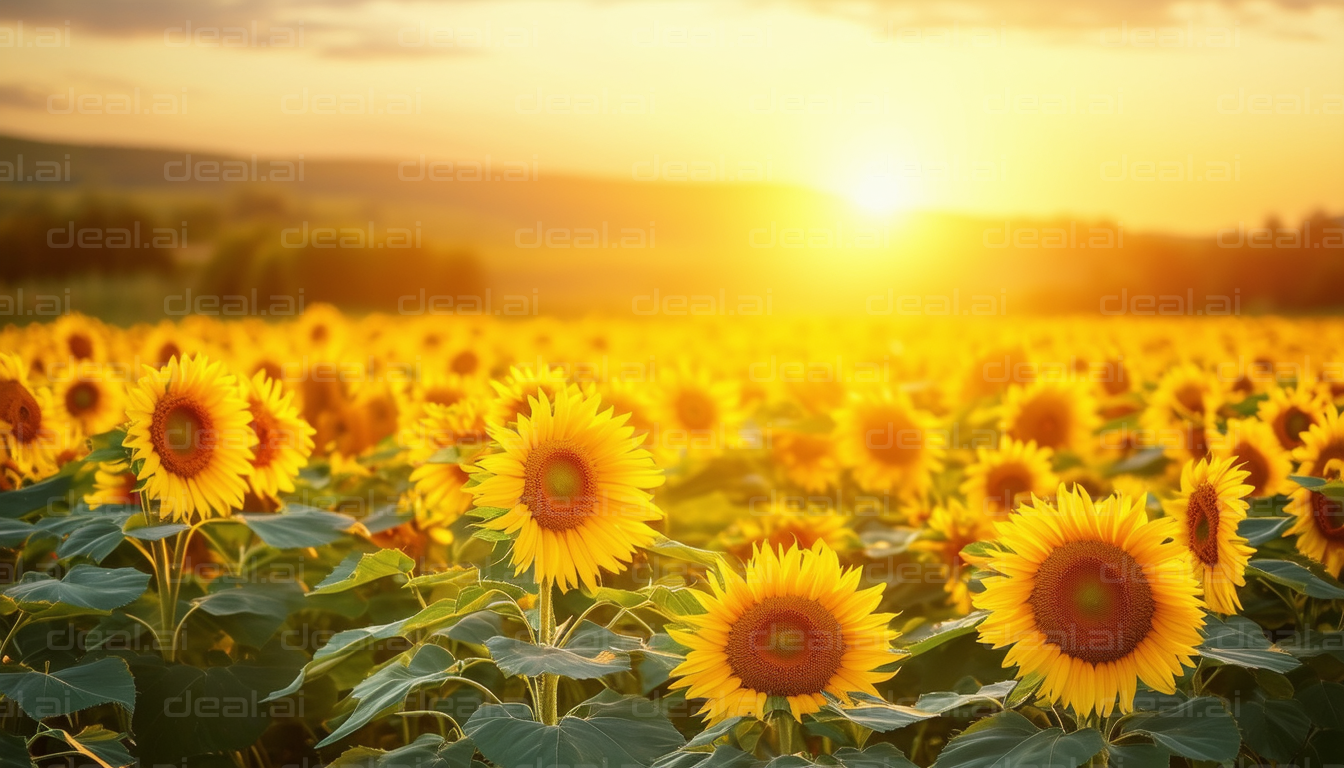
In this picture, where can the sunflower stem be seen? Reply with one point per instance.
(549, 684)
(790, 736)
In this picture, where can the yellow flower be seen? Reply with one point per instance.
(700, 412)
(79, 339)
(1095, 597)
(950, 528)
(284, 439)
(890, 444)
(780, 525)
(512, 395)
(32, 429)
(1052, 414)
(1322, 446)
(1252, 445)
(189, 438)
(1208, 508)
(574, 486)
(460, 426)
(1290, 412)
(1319, 527)
(998, 478)
(797, 627)
(113, 485)
(92, 397)
(809, 459)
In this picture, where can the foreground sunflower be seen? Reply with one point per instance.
(574, 486)
(796, 627)
(189, 438)
(1094, 597)
(284, 439)
(1208, 509)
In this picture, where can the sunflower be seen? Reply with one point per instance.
(321, 331)
(1322, 445)
(1053, 414)
(949, 529)
(189, 438)
(1291, 412)
(889, 443)
(796, 627)
(33, 430)
(79, 339)
(461, 426)
(1092, 597)
(432, 388)
(92, 397)
(284, 439)
(164, 342)
(1255, 448)
(1208, 509)
(1180, 409)
(574, 484)
(700, 412)
(998, 477)
(809, 459)
(113, 485)
(1319, 527)
(781, 525)
(512, 395)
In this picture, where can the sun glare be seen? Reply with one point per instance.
(880, 194)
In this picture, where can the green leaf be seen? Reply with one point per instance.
(1024, 690)
(1325, 704)
(608, 729)
(36, 496)
(674, 602)
(251, 612)
(713, 732)
(362, 568)
(1241, 642)
(298, 527)
(1051, 748)
(930, 637)
(41, 695)
(1138, 756)
(1274, 728)
(987, 741)
(518, 657)
(1301, 579)
(84, 586)
(341, 646)
(940, 703)
(94, 540)
(678, 551)
(428, 751)
(879, 715)
(1258, 530)
(618, 597)
(1200, 729)
(13, 533)
(448, 455)
(14, 751)
(723, 756)
(98, 744)
(487, 513)
(389, 687)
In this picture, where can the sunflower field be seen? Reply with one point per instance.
(460, 542)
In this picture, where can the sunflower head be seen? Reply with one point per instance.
(284, 439)
(796, 628)
(809, 459)
(1253, 447)
(33, 430)
(1013, 472)
(1319, 527)
(1208, 509)
(1094, 597)
(1290, 412)
(190, 438)
(890, 444)
(571, 485)
(1051, 414)
(514, 394)
(461, 426)
(92, 397)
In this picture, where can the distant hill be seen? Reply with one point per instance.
(606, 244)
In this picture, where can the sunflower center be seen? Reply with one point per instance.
(269, 434)
(465, 363)
(1202, 511)
(887, 438)
(1253, 462)
(1329, 516)
(1291, 424)
(1191, 398)
(695, 409)
(785, 646)
(443, 395)
(559, 486)
(1004, 484)
(1332, 452)
(1045, 421)
(20, 410)
(81, 398)
(80, 346)
(167, 352)
(182, 435)
(1093, 601)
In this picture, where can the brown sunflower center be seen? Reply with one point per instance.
(1329, 516)
(1202, 514)
(1093, 601)
(1003, 485)
(1291, 424)
(182, 435)
(892, 439)
(785, 646)
(81, 346)
(269, 434)
(1044, 420)
(81, 398)
(465, 363)
(442, 395)
(20, 410)
(1331, 452)
(1254, 462)
(1191, 398)
(695, 409)
(559, 486)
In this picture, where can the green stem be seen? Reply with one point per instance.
(549, 684)
(18, 624)
(790, 736)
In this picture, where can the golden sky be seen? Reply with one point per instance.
(1184, 117)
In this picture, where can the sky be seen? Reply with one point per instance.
(1184, 117)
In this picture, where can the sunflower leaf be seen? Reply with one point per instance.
(1240, 641)
(1258, 530)
(84, 586)
(1199, 729)
(20, 502)
(389, 686)
(298, 527)
(361, 568)
(1298, 577)
(41, 695)
(518, 657)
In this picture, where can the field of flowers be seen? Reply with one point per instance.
(455, 542)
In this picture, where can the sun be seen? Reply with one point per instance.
(879, 194)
